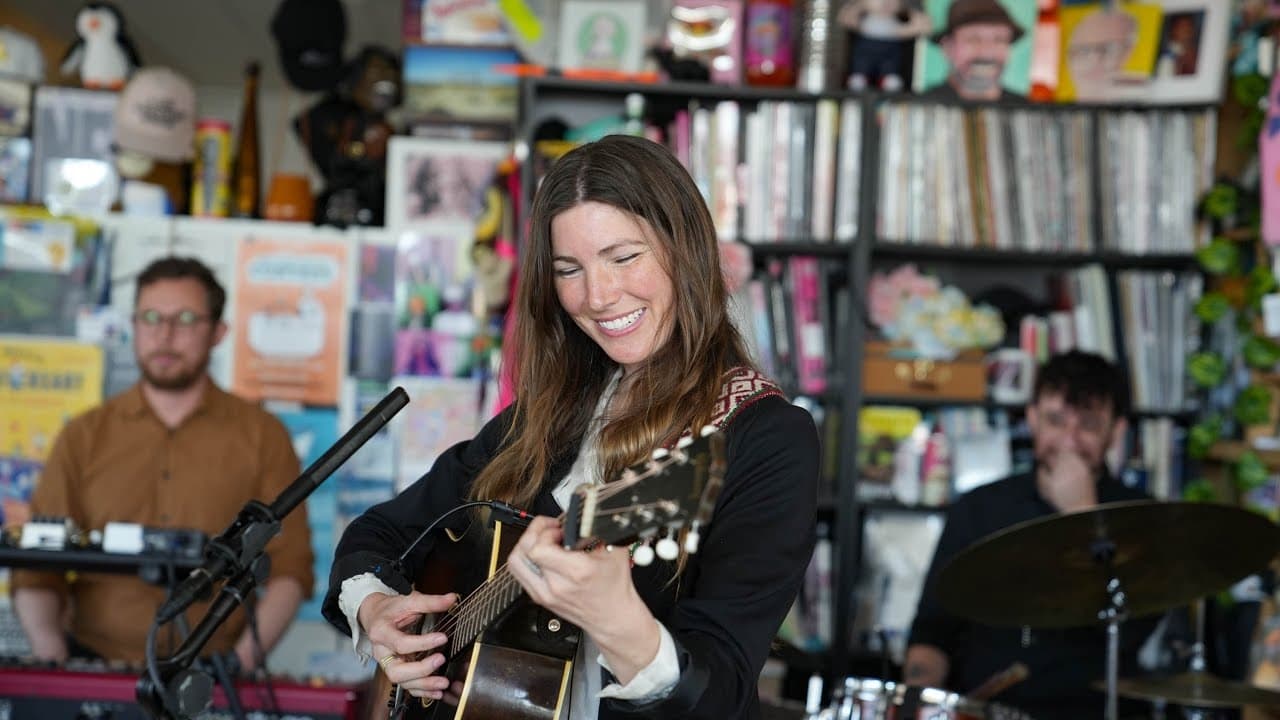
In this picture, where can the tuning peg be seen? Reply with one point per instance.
(691, 540)
(643, 556)
(707, 430)
(659, 453)
(668, 549)
(684, 441)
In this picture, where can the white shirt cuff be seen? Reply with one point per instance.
(354, 590)
(655, 680)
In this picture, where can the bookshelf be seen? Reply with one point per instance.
(863, 243)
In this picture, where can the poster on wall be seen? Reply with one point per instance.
(288, 323)
(313, 431)
(46, 382)
(441, 413)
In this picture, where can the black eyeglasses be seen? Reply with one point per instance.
(181, 320)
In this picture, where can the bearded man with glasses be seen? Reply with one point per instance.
(174, 451)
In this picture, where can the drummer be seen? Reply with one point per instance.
(1077, 412)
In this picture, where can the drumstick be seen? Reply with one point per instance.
(1000, 682)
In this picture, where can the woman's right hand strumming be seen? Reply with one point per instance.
(388, 621)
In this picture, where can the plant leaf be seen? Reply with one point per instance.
(1260, 282)
(1203, 435)
(1220, 201)
(1200, 490)
(1250, 472)
(1212, 307)
(1219, 257)
(1253, 405)
(1207, 369)
(1261, 352)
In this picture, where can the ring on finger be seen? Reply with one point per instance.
(534, 567)
(386, 661)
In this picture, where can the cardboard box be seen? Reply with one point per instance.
(891, 370)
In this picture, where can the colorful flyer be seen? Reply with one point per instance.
(46, 382)
(288, 323)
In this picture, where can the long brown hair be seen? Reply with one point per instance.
(560, 372)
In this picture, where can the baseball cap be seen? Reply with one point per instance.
(310, 35)
(156, 115)
(20, 57)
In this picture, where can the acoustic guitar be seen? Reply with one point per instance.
(512, 659)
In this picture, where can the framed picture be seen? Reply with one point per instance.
(1108, 53)
(1192, 50)
(478, 22)
(944, 69)
(602, 35)
(15, 107)
(432, 181)
(460, 84)
(15, 168)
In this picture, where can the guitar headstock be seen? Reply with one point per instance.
(674, 490)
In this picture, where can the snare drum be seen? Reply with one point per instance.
(872, 699)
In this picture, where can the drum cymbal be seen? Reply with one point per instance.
(1043, 573)
(1196, 689)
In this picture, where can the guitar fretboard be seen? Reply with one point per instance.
(475, 613)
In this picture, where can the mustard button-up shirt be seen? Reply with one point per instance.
(118, 462)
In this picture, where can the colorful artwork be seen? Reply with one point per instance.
(979, 50)
(289, 312)
(441, 413)
(313, 431)
(44, 383)
(431, 180)
(436, 325)
(460, 83)
(1108, 55)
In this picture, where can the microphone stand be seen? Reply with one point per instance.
(183, 692)
(171, 689)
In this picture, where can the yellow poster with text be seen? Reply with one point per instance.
(46, 382)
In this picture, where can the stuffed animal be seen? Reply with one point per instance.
(103, 53)
(882, 32)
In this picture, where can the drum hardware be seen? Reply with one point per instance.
(874, 699)
(1197, 691)
(1106, 564)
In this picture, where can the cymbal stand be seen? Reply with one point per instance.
(1103, 551)
(1197, 662)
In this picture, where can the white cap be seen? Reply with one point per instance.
(156, 115)
(20, 57)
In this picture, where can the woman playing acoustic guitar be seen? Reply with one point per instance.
(623, 344)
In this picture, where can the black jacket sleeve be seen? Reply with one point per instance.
(748, 570)
(375, 539)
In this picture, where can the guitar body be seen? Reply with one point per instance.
(509, 659)
(518, 669)
(505, 682)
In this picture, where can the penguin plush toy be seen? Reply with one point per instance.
(102, 52)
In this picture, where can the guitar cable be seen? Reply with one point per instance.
(511, 513)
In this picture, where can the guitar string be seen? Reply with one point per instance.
(500, 585)
(470, 613)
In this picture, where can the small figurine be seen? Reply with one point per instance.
(103, 53)
(346, 134)
(882, 31)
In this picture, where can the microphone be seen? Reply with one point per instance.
(247, 536)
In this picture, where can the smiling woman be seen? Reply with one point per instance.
(624, 348)
(610, 280)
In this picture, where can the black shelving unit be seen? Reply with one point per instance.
(545, 97)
